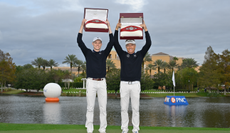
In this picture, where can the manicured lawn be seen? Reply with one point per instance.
(149, 93)
(13, 92)
(171, 94)
(54, 128)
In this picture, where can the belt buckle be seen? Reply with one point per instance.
(98, 79)
(129, 82)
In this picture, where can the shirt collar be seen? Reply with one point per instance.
(95, 51)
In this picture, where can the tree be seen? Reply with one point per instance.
(210, 75)
(110, 64)
(38, 62)
(70, 59)
(189, 62)
(57, 75)
(7, 69)
(175, 58)
(164, 66)
(113, 80)
(146, 82)
(150, 67)
(44, 64)
(52, 63)
(224, 66)
(83, 67)
(78, 64)
(7, 72)
(160, 79)
(172, 64)
(158, 65)
(27, 66)
(187, 77)
(5, 56)
(32, 79)
(147, 58)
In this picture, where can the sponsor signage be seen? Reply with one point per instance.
(175, 100)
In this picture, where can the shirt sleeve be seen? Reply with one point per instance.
(109, 45)
(147, 45)
(117, 44)
(81, 44)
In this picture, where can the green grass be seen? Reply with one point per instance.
(73, 90)
(55, 128)
(172, 94)
(82, 90)
(11, 92)
(149, 93)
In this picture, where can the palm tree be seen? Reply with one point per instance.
(189, 62)
(158, 63)
(110, 64)
(147, 69)
(175, 58)
(52, 63)
(150, 67)
(83, 67)
(70, 59)
(78, 64)
(164, 66)
(172, 64)
(147, 58)
(38, 62)
(44, 64)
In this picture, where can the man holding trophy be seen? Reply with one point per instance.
(130, 77)
(96, 82)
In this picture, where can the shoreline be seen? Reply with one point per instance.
(40, 94)
(117, 95)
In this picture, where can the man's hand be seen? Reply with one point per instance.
(118, 25)
(107, 22)
(83, 22)
(144, 26)
(82, 25)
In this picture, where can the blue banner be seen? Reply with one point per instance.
(175, 100)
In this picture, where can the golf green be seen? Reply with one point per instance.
(55, 128)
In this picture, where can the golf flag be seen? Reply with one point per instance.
(173, 79)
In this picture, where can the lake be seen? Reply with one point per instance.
(201, 112)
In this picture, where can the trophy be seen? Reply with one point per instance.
(95, 20)
(130, 26)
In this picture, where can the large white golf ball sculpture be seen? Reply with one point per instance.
(52, 91)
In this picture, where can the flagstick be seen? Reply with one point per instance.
(174, 90)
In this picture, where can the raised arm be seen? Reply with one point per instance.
(147, 45)
(116, 42)
(81, 44)
(111, 40)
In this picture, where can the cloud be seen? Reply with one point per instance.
(48, 29)
(1, 36)
(135, 5)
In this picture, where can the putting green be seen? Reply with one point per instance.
(54, 128)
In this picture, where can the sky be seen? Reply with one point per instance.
(48, 28)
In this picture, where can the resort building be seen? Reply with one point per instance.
(158, 56)
(113, 56)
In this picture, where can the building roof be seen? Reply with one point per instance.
(160, 53)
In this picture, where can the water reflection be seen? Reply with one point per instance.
(51, 113)
(201, 112)
(175, 114)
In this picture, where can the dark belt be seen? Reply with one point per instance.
(97, 79)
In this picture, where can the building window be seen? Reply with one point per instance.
(109, 56)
